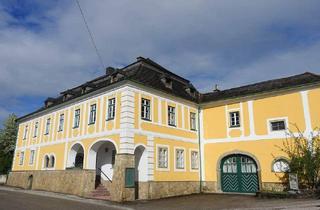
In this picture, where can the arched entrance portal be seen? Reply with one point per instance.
(141, 166)
(239, 174)
(101, 157)
(76, 156)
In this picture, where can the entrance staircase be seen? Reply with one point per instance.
(100, 193)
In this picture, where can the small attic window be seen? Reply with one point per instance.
(167, 82)
(191, 91)
(48, 102)
(66, 96)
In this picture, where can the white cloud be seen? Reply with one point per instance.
(225, 42)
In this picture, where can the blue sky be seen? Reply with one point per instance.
(44, 46)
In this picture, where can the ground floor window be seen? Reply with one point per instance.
(21, 158)
(194, 160)
(179, 158)
(162, 157)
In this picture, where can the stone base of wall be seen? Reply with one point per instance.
(274, 187)
(76, 182)
(156, 190)
(212, 187)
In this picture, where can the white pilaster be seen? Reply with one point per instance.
(150, 150)
(127, 122)
(202, 146)
(306, 112)
(251, 118)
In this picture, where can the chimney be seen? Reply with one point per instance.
(216, 89)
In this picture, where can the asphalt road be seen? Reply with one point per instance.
(16, 199)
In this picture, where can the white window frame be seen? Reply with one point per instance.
(175, 159)
(111, 109)
(145, 109)
(21, 158)
(36, 127)
(76, 118)
(48, 124)
(32, 156)
(61, 122)
(190, 159)
(158, 146)
(93, 114)
(193, 125)
(269, 127)
(25, 132)
(172, 112)
(231, 116)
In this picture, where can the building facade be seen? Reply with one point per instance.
(143, 132)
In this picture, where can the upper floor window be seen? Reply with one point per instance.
(48, 126)
(280, 165)
(25, 133)
(278, 125)
(32, 155)
(193, 121)
(21, 158)
(145, 109)
(234, 119)
(179, 158)
(111, 108)
(171, 116)
(194, 160)
(61, 122)
(93, 111)
(76, 118)
(162, 157)
(35, 132)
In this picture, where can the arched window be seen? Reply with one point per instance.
(46, 161)
(52, 161)
(280, 166)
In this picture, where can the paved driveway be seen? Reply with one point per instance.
(16, 199)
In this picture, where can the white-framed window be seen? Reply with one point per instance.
(35, 132)
(194, 156)
(25, 133)
(278, 125)
(93, 113)
(171, 116)
(179, 159)
(111, 108)
(145, 109)
(47, 126)
(21, 158)
(193, 121)
(32, 156)
(76, 118)
(234, 119)
(61, 122)
(280, 166)
(162, 157)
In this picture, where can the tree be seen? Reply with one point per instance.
(8, 136)
(304, 155)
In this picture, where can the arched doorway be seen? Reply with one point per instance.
(239, 173)
(141, 168)
(101, 157)
(76, 156)
(30, 182)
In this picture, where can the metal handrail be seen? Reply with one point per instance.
(105, 175)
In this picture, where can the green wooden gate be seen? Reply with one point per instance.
(239, 174)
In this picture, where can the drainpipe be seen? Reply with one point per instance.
(200, 152)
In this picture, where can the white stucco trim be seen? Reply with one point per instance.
(251, 118)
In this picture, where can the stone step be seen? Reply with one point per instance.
(101, 193)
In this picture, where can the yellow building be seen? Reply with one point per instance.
(143, 132)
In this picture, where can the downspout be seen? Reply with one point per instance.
(200, 152)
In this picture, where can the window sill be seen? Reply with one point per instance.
(193, 129)
(46, 134)
(172, 125)
(235, 126)
(91, 123)
(110, 119)
(60, 131)
(146, 119)
(75, 127)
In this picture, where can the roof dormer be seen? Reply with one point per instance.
(167, 81)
